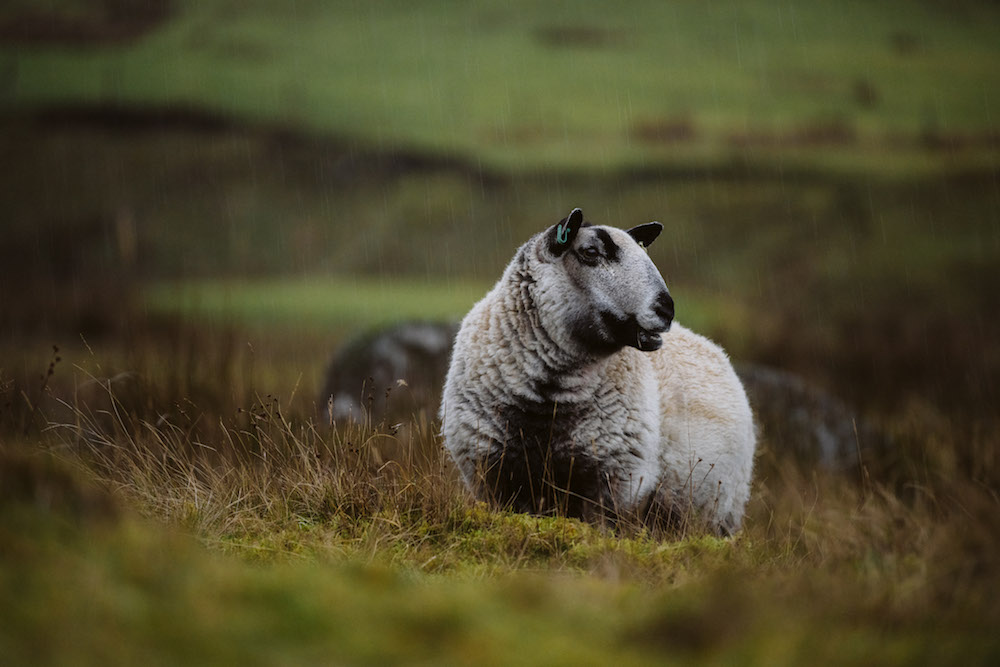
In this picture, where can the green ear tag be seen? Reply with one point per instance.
(562, 234)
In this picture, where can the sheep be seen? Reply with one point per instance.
(570, 389)
(801, 421)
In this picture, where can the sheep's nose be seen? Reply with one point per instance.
(664, 308)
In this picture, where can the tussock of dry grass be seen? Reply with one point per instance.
(278, 485)
(258, 464)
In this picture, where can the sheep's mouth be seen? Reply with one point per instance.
(647, 341)
(616, 332)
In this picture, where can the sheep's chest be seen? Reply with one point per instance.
(545, 462)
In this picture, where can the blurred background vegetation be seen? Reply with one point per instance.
(202, 199)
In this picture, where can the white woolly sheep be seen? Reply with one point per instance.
(566, 393)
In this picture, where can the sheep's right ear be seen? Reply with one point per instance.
(645, 234)
(561, 236)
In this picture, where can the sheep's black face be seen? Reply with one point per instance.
(616, 296)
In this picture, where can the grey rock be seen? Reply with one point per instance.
(799, 419)
(395, 371)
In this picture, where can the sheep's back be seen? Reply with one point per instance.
(707, 432)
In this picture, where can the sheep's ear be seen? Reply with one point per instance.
(645, 234)
(561, 235)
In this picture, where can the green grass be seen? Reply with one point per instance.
(139, 593)
(568, 85)
(335, 305)
(135, 592)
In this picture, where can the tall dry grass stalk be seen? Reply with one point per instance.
(260, 465)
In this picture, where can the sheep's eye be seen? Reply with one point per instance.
(590, 253)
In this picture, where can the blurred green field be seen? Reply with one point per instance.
(338, 306)
(871, 285)
(568, 85)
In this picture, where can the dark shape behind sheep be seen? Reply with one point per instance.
(801, 420)
(795, 418)
(395, 371)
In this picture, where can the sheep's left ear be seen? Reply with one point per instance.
(561, 235)
(646, 234)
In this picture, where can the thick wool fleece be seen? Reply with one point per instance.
(535, 420)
